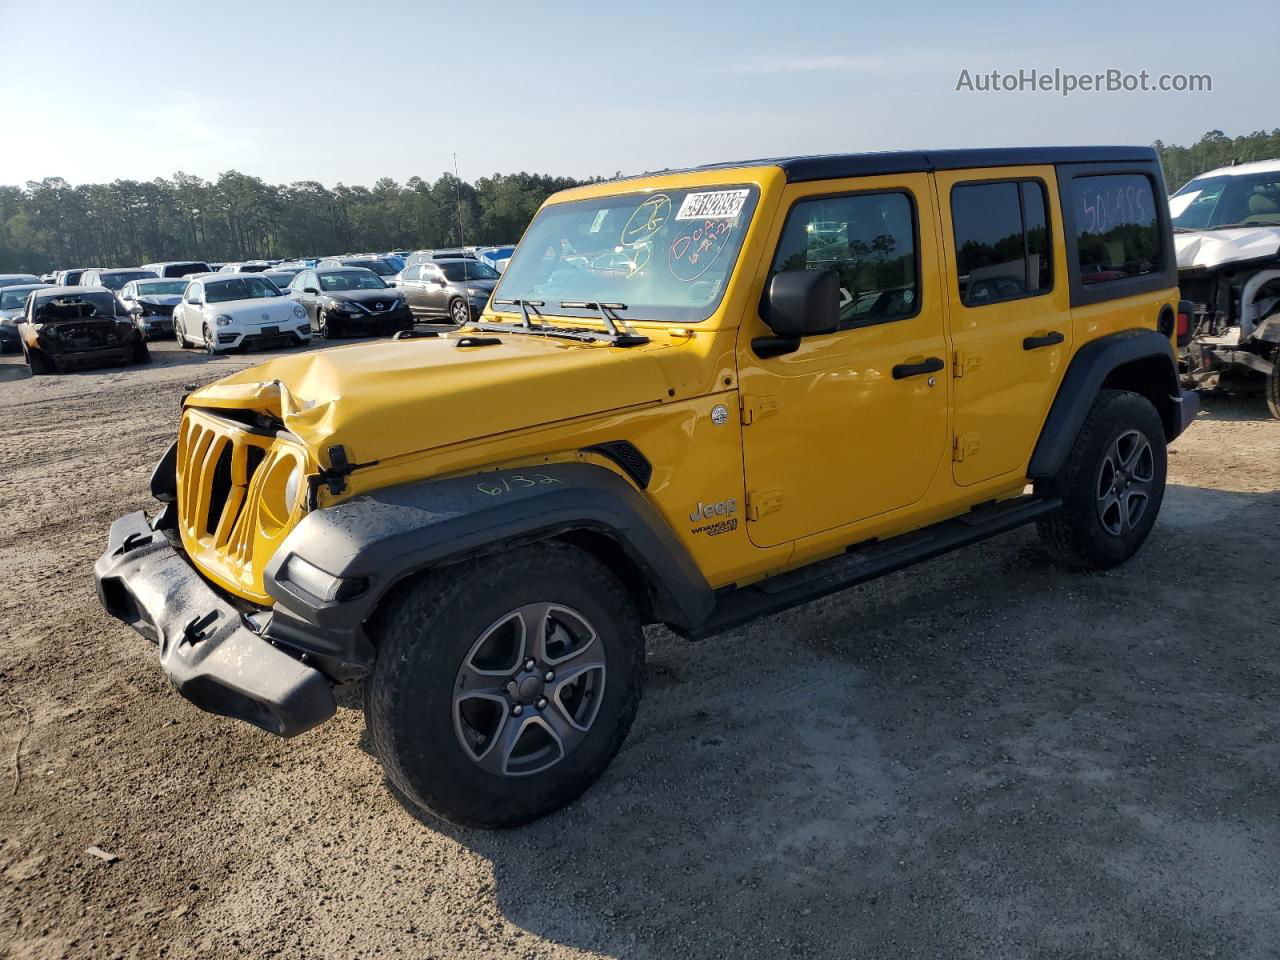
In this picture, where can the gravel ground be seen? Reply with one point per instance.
(983, 756)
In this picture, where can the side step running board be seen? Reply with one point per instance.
(868, 561)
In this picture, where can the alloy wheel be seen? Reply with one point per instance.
(460, 312)
(208, 341)
(1124, 483)
(529, 689)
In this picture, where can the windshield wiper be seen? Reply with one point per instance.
(524, 306)
(612, 335)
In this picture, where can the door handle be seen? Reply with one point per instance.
(903, 370)
(1048, 340)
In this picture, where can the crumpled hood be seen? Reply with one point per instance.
(161, 299)
(386, 399)
(1212, 248)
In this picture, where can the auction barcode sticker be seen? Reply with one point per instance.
(717, 204)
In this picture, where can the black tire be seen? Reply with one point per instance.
(40, 364)
(1273, 384)
(459, 312)
(1106, 512)
(180, 335)
(438, 624)
(141, 353)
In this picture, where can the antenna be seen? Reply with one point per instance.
(457, 189)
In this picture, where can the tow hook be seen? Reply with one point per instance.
(198, 628)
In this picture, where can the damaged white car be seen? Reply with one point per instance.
(1226, 226)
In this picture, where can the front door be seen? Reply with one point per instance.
(435, 293)
(855, 423)
(1010, 315)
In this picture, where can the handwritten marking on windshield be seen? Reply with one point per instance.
(697, 246)
(646, 220)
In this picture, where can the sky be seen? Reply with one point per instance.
(350, 92)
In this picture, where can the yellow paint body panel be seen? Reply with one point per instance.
(836, 452)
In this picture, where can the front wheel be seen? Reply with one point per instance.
(459, 312)
(1111, 486)
(504, 687)
(141, 352)
(322, 325)
(209, 346)
(1273, 384)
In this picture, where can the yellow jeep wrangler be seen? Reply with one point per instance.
(694, 398)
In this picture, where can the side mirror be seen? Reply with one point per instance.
(803, 303)
(310, 290)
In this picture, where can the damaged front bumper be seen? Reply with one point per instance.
(215, 656)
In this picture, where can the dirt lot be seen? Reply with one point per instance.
(981, 757)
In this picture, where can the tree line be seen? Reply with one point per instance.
(49, 223)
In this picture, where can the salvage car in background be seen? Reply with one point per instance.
(453, 289)
(245, 266)
(1227, 235)
(350, 300)
(12, 279)
(13, 301)
(150, 303)
(382, 268)
(177, 268)
(228, 312)
(114, 279)
(68, 278)
(77, 326)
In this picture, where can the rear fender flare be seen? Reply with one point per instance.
(1137, 360)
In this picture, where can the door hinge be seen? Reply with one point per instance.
(966, 445)
(761, 502)
(966, 363)
(753, 408)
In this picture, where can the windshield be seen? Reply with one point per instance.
(1233, 200)
(75, 306)
(12, 298)
(155, 288)
(467, 270)
(351, 280)
(241, 288)
(380, 267)
(666, 255)
(117, 279)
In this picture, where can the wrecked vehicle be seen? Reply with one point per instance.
(77, 326)
(1226, 227)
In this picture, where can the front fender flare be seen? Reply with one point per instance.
(389, 534)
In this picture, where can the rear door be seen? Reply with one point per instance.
(855, 423)
(1010, 312)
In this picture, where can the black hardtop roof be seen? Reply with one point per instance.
(834, 166)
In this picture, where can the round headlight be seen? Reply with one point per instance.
(292, 486)
(299, 312)
(223, 320)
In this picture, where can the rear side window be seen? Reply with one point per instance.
(1002, 241)
(1117, 227)
(869, 239)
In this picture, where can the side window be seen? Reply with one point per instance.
(1117, 228)
(869, 239)
(194, 293)
(1002, 241)
(431, 272)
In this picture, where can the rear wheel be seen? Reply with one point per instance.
(504, 687)
(1111, 486)
(180, 332)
